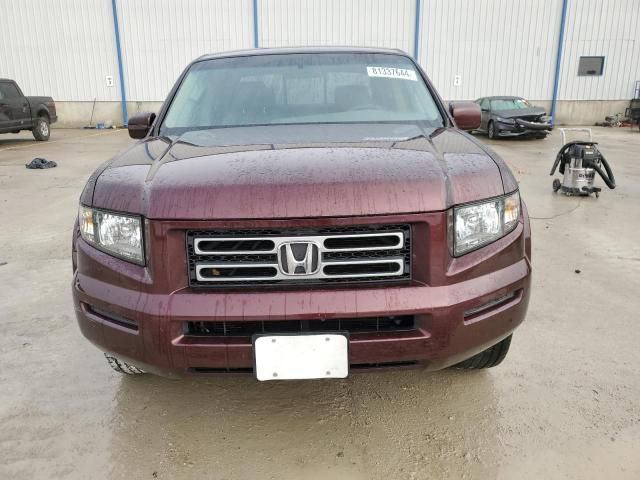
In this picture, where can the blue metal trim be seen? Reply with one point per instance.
(556, 80)
(123, 93)
(416, 31)
(256, 42)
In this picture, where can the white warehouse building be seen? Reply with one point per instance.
(116, 57)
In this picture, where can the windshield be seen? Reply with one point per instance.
(509, 104)
(300, 89)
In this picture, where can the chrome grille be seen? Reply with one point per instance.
(339, 254)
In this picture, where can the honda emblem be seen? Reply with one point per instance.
(299, 258)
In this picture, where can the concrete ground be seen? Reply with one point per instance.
(564, 404)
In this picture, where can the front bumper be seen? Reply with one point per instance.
(522, 128)
(138, 315)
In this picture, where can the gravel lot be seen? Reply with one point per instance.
(564, 404)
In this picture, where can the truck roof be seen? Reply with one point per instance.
(291, 50)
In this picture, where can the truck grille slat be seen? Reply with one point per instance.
(307, 256)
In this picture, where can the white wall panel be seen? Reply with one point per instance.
(160, 37)
(608, 28)
(498, 47)
(377, 23)
(68, 53)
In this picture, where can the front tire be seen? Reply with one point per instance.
(123, 367)
(490, 357)
(491, 130)
(41, 130)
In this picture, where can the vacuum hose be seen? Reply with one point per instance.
(608, 176)
(558, 159)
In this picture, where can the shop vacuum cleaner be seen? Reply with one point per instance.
(578, 162)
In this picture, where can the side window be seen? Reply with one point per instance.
(484, 104)
(9, 90)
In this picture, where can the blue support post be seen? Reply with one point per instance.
(416, 32)
(556, 80)
(256, 42)
(123, 93)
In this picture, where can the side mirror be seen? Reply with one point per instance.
(140, 124)
(466, 115)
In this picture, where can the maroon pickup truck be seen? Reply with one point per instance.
(297, 214)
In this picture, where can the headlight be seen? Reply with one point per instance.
(509, 121)
(117, 234)
(476, 225)
(545, 118)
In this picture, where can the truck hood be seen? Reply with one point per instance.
(300, 171)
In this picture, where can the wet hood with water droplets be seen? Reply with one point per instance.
(295, 171)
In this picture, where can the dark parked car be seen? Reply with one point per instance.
(18, 112)
(301, 213)
(512, 117)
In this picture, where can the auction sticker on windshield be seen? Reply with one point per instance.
(392, 72)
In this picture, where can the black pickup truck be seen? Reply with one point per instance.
(18, 112)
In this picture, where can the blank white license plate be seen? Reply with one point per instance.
(301, 357)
